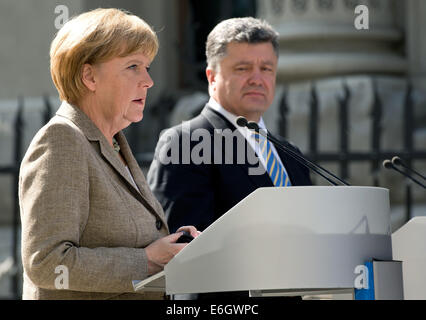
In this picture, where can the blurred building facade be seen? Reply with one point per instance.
(345, 96)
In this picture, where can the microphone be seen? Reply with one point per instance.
(253, 126)
(398, 162)
(389, 165)
(242, 122)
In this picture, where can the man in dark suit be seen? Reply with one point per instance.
(204, 167)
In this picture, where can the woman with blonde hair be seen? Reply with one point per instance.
(85, 205)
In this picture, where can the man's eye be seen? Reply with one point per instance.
(133, 67)
(148, 68)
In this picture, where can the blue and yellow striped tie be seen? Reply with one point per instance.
(273, 166)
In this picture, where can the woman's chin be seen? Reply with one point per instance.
(135, 118)
(139, 118)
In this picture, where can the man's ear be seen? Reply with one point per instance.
(211, 76)
(88, 77)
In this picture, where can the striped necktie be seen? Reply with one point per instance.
(274, 168)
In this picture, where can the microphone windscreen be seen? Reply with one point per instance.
(397, 161)
(387, 164)
(241, 121)
(253, 125)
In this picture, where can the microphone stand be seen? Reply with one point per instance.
(397, 161)
(241, 121)
(389, 165)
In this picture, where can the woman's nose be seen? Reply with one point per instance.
(146, 80)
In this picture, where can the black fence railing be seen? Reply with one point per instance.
(344, 157)
(13, 170)
(376, 155)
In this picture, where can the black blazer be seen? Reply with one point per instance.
(198, 194)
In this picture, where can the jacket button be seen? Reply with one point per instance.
(158, 224)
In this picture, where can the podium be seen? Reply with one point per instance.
(409, 246)
(284, 241)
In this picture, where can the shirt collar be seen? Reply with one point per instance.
(230, 116)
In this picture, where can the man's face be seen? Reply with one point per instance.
(244, 82)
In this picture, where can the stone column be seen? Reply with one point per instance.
(415, 43)
(318, 38)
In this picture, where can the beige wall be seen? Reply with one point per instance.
(27, 28)
(415, 14)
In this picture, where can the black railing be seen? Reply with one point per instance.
(13, 170)
(376, 155)
(19, 124)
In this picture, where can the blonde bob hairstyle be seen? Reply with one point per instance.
(94, 37)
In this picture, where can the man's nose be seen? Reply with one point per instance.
(256, 77)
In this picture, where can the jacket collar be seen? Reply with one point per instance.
(81, 120)
(219, 121)
(93, 134)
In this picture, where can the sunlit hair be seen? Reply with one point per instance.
(240, 30)
(95, 37)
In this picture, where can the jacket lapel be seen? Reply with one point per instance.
(109, 155)
(144, 194)
(93, 134)
(220, 122)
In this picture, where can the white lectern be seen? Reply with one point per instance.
(409, 246)
(293, 239)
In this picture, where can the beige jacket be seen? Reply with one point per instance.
(81, 212)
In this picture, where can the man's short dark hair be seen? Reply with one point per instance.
(240, 30)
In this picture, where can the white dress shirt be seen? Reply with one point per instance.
(246, 132)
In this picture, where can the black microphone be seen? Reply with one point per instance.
(242, 122)
(398, 162)
(389, 165)
(253, 126)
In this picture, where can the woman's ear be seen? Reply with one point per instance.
(88, 77)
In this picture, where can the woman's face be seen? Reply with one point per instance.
(121, 88)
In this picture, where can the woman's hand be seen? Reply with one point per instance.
(161, 251)
(191, 229)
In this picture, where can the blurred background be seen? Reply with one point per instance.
(348, 97)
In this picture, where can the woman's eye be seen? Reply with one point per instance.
(148, 68)
(133, 67)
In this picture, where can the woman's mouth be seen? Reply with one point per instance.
(139, 101)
